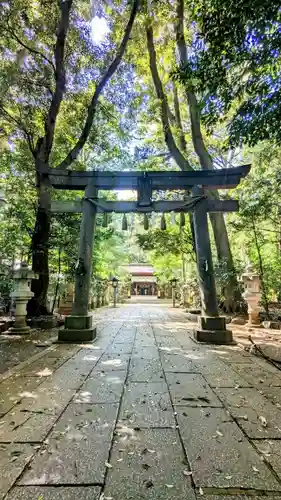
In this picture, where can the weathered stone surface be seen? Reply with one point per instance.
(145, 352)
(116, 348)
(240, 497)
(249, 407)
(44, 367)
(271, 452)
(272, 393)
(86, 359)
(259, 376)
(148, 464)
(167, 341)
(145, 341)
(231, 355)
(147, 405)
(26, 426)
(77, 448)
(219, 454)
(191, 390)
(109, 362)
(14, 389)
(102, 387)
(218, 374)
(177, 363)
(54, 493)
(13, 459)
(70, 375)
(145, 370)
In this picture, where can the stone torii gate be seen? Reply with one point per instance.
(79, 325)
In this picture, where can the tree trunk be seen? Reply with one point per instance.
(40, 251)
(233, 298)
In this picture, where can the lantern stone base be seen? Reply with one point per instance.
(212, 330)
(19, 330)
(78, 329)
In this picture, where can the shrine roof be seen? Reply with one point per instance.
(140, 269)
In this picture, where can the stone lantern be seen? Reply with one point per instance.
(21, 294)
(252, 295)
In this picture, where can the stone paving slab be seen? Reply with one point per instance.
(191, 390)
(123, 348)
(177, 363)
(259, 376)
(109, 362)
(13, 459)
(102, 387)
(253, 496)
(145, 341)
(86, 358)
(271, 451)
(219, 374)
(77, 448)
(219, 454)
(64, 351)
(145, 352)
(272, 393)
(25, 427)
(14, 389)
(44, 367)
(70, 375)
(148, 465)
(249, 407)
(145, 370)
(147, 405)
(54, 493)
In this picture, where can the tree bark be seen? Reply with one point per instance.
(233, 297)
(40, 251)
(40, 240)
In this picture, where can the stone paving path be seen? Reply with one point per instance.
(142, 413)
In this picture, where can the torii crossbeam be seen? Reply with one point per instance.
(78, 326)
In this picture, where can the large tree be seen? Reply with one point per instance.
(236, 62)
(175, 142)
(51, 72)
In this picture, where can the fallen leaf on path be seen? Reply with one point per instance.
(263, 421)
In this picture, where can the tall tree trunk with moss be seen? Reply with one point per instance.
(232, 293)
(43, 149)
(231, 290)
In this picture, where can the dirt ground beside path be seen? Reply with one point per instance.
(144, 412)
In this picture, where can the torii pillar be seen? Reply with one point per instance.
(211, 327)
(79, 325)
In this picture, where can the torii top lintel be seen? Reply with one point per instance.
(165, 180)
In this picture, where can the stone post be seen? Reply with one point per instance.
(211, 327)
(79, 325)
(21, 294)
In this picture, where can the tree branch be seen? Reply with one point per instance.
(169, 139)
(72, 155)
(46, 144)
(182, 140)
(30, 49)
(21, 126)
(205, 159)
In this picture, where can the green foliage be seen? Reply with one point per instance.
(235, 64)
